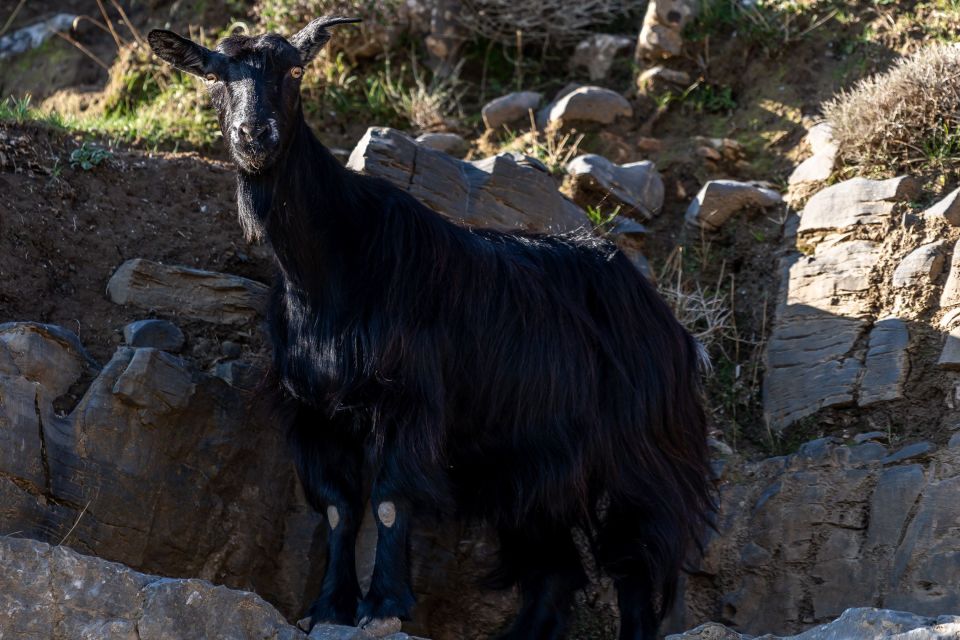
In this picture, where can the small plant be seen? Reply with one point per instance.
(87, 156)
(710, 98)
(602, 222)
(16, 109)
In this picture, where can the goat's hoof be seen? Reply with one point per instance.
(379, 627)
(305, 624)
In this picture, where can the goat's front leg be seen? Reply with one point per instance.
(330, 464)
(390, 597)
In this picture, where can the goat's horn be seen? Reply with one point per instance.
(313, 36)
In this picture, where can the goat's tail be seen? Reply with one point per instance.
(660, 483)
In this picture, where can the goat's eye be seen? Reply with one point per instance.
(211, 77)
(296, 72)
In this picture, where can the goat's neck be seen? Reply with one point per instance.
(301, 206)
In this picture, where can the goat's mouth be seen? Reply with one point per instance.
(253, 158)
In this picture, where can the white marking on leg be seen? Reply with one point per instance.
(333, 517)
(387, 512)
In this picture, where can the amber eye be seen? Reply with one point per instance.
(296, 72)
(211, 77)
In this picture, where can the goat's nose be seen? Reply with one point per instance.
(250, 131)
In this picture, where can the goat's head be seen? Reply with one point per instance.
(254, 82)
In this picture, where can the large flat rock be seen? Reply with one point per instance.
(192, 293)
(504, 191)
(857, 201)
(54, 592)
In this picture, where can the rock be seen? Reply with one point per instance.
(719, 200)
(954, 442)
(231, 349)
(819, 166)
(818, 322)
(860, 438)
(800, 538)
(505, 191)
(240, 374)
(950, 296)
(921, 266)
(887, 364)
(512, 107)
(947, 209)
(924, 576)
(48, 590)
(588, 104)
(38, 364)
(597, 53)
(336, 632)
(855, 202)
(636, 187)
(192, 293)
(447, 35)
(159, 334)
(446, 142)
(658, 78)
(950, 354)
(662, 33)
(909, 452)
(34, 35)
(157, 466)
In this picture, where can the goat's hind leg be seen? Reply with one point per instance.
(546, 564)
(330, 464)
(626, 551)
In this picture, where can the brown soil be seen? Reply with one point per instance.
(63, 232)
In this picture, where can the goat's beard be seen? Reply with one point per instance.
(254, 200)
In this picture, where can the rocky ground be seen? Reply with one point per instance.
(134, 443)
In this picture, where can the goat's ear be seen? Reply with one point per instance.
(312, 37)
(183, 54)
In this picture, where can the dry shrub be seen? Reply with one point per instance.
(557, 22)
(383, 22)
(905, 117)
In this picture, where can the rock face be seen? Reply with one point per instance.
(193, 293)
(842, 331)
(720, 200)
(588, 104)
(854, 624)
(505, 191)
(513, 107)
(157, 466)
(55, 592)
(636, 187)
(803, 537)
(597, 53)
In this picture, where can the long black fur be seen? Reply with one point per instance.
(537, 382)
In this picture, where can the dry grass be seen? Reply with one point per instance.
(706, 312)
(905, 119)
(427, 105)
(539, 21)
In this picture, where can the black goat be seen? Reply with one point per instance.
(537, 382)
